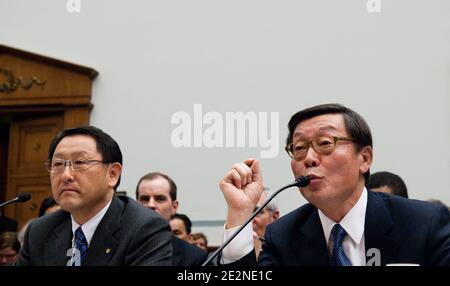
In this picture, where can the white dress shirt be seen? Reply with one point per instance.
(353, 244)
(90, 226)
(353, 223)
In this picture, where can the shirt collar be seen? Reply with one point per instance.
(352, 222)
(90, 226)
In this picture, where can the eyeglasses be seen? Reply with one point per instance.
(266, 209)
(59, 165)
(323, 145)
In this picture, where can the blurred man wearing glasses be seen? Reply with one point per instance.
(343, 224)
(266, 216)
(94, 227)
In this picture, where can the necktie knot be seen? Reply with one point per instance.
(81, 244)
(338, 233)
(338, 257)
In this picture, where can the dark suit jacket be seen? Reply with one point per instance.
(404, 230)
(7, 224)
(186, 254)
(133, 234)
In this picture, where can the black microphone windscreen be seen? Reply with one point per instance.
(302, 181)
(23, 197)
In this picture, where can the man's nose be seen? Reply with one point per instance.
(312, 157)
(151, 204)
(67, 173)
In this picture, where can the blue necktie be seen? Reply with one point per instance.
(338, 257)
(81, 244)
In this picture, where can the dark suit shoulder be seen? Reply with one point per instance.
(420, 231)
(138, 235)
(41, 226)
(294, 219)
(7, 224)
(186, 254)
(131, 210)
(39, 237)
(404, 210)
(291, 239)
(140, 222)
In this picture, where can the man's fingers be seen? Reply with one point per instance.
(256, 171)
(249, 162)
(244, 171)
(236, 179)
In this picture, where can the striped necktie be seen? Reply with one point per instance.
(338, 257)
(81, 244)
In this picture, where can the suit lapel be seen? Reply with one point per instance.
(59, 243)
(177, 255)
(379, 230)
(104, 242)
(311, 241)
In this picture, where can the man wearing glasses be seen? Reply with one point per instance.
(94, 227)
(343, 224)
(266, 216)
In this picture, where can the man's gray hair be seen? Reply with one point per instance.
(272, 206)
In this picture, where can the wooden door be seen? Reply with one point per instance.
(38, 97)
(4, 141)
(29, 141)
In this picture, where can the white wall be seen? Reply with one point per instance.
(156, 58)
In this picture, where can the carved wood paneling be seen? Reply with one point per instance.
(29, 143)
(38, 187)
(62, 82)
(39, 96)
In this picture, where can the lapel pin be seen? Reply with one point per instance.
(108, 251)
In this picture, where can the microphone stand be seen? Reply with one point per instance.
(299, 182)
(23, 197)
(9, 202)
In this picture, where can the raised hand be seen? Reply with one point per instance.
(242, 187)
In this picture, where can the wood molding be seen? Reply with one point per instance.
(65, 83)
(91, 73)
(34, 114)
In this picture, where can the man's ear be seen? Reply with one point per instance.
(115, 170)
(174, 206)
(366, 156)
(275, 215)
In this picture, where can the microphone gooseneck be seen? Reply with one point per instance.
(300, 182)
(23, 197)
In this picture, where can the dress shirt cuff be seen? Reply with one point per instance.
(240, 246)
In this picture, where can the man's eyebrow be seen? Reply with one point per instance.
(160, 196)
(323, 128)
(77, 153)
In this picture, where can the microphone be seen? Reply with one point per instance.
(300, 182)
(23, 197)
